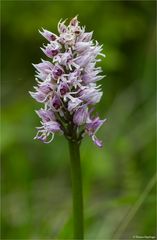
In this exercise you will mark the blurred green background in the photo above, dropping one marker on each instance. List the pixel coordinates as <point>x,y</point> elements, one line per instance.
<point>119,179</point>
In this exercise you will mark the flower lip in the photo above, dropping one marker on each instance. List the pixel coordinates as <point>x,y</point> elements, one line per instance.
<point>97,141</point>
<point>95,124</point>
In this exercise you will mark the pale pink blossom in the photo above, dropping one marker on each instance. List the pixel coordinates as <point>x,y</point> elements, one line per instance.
<point>67,84</point>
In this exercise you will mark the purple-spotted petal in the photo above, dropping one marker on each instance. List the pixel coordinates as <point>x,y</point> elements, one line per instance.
<point>56,103</point>
<point>63,88</point>
<point>57,71</point>
<point>48,35</point>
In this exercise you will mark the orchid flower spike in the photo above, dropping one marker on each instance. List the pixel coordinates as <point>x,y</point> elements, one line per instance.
<point>67,84</point>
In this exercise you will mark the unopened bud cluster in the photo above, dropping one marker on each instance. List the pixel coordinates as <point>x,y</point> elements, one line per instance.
<point>66,84</point>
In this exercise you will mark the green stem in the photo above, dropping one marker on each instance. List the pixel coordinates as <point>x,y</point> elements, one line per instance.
<point>76,189</point>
